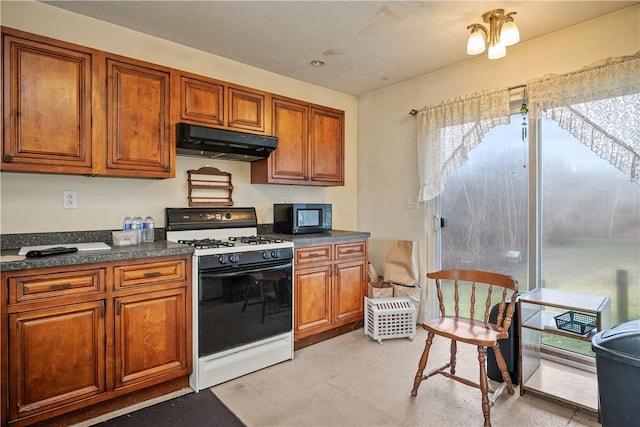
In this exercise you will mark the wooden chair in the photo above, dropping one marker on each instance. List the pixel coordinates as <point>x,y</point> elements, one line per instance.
<point>481,333</point>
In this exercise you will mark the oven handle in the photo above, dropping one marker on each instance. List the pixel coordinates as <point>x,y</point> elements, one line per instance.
<point>209,274</point>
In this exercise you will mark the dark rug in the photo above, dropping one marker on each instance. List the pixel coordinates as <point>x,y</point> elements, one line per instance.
<point>191,410</point>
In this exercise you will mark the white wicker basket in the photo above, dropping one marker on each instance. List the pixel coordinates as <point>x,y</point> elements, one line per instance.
<point>389,318</point>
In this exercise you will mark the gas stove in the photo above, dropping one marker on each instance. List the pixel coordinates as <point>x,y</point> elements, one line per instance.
<point>242,292</point>
<point>217,230</point>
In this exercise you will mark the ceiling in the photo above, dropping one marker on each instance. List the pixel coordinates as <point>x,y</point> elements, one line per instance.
<point>365,45</point>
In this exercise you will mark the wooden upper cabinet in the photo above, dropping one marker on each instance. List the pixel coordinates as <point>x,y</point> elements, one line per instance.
<point>246,109</point>
<point>47,99</point>
<point>288,163</point>
<point>209,102</point>
<point>139,141</point>
<point>59,116</point>
<point>326,146</point>
<point>310,146</point>
<point>201,101</point>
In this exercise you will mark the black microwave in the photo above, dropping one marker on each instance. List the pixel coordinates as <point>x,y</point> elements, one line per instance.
<point>299,218</point>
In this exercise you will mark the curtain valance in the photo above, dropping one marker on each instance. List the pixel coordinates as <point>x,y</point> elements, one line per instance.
<point>448,131</point>
<point>599,105</point>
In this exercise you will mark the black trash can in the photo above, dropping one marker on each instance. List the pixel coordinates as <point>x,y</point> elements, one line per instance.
<point>510,349</point>
<point>618,364</point>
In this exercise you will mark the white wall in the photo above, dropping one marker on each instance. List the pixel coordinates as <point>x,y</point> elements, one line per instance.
<point>387,166</point>
<point>33,202</point>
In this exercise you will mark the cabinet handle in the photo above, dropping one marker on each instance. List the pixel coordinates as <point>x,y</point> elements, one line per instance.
<point>313,255</point>
<point>58,286</point>
<point>230,124</point>
<point>350,251</point>
<point>102,309</point>
<point>152,274</point>
<point>221,122</point>
<point>7,158</point>
<point>167,168</point>
<point>118,307</point>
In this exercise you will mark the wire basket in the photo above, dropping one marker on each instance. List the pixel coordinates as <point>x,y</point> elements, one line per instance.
<point>578,323</point>
<point>389,318</point>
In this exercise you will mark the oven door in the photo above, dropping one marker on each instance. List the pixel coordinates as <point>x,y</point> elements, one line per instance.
<point>241,305</point>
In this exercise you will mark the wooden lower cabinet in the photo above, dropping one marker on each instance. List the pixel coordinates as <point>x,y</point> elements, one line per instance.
<point>150,337</point>
<point>330,285</point>
<point>56,357</point>
<point>72,340</point>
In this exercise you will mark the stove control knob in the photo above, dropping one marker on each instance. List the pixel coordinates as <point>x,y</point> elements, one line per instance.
<point>222,259</point>
<point>266,255</point>
<point>234,258</point>
<point>227,215</point>
<point>275,254</point>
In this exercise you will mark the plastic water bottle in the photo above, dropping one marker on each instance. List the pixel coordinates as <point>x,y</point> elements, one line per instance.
<point>147,230</point>
<point>127,224</point>
<point>137,225</point>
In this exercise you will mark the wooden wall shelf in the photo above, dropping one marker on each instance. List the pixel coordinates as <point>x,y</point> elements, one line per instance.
<point>209,187</point>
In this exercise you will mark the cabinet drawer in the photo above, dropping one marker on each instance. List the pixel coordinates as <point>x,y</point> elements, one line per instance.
<point>149,273</point>
<point>351,250</point>
<point>24,289</point>
<point>313,254</point>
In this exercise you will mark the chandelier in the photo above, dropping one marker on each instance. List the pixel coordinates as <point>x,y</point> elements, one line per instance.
<point>502,32</point>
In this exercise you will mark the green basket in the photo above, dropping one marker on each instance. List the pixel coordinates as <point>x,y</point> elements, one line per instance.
<point>578,323</point>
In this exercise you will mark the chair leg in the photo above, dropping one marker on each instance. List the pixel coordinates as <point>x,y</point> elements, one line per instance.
<point>452,360</point>
<point>484,387</point>
<point>503,368</point>
<point>423,363</point>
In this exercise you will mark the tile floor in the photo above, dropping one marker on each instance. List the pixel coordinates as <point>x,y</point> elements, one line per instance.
<point>352,380</point>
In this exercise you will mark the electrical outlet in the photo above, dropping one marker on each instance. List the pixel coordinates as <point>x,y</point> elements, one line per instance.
<point>70,199</point>
<point>412,202</point>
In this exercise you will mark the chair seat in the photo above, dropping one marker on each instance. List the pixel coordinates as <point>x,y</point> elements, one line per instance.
<point>465,330</point>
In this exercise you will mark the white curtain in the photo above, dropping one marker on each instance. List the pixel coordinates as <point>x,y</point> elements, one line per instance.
<point>599,105</point>
<point>449,130</point>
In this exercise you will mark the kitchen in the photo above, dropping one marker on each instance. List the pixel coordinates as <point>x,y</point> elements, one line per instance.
<point>379,134</point>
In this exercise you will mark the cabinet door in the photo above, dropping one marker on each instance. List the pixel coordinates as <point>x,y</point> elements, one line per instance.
<point>288,163</point>
<point>326,147</point>
<point>349,285</point>
<point>150,337</point>
<point>201,101</point>
<point>47,106</point>
<point>312,300</point>
<point>246,110</point>
<point>56,357</point>
<point>139,140</point>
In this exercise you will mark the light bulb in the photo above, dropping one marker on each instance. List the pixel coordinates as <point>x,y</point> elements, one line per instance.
<point>476,43</point>
<point>497,51</point>
<point>509,35</point>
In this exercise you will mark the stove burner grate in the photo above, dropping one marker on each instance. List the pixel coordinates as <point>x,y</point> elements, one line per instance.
<point>255,240</point>
<point>207,243</point>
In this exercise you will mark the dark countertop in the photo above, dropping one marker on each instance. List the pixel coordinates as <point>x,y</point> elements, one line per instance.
<point>327,236</point>
<point>10,260</point>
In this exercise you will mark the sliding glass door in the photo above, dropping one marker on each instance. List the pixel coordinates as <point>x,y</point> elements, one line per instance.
<point>587,219</point>
<point>484,206</point>
<point>590,227</point>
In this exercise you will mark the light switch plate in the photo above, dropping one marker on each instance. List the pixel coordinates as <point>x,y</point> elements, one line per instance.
<point>412,202</point>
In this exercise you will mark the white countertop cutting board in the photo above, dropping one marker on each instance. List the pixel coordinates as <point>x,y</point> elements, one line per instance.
<point>82,247</point>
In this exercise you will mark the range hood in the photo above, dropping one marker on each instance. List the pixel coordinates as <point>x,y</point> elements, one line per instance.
<point>222,144</point>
